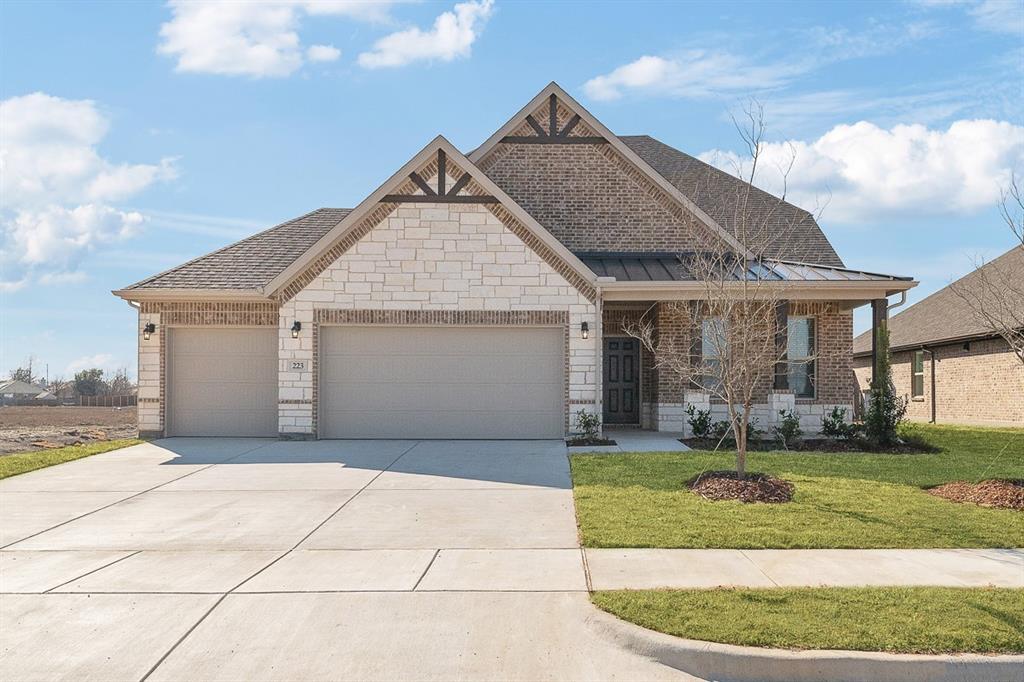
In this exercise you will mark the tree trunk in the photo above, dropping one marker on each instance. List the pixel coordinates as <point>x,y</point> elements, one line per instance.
<point>741,448</point>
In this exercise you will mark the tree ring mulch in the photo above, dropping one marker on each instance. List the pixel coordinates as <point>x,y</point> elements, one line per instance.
<point>725,485</point>
<point>995,492</point>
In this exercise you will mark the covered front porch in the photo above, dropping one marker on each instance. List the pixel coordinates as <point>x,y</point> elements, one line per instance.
<point>813,331</point>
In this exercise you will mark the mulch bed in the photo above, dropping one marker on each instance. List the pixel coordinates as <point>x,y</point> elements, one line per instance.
<point>811,445</point>
<point>996,492</point>
<point>587,442</point>
<point>724,485</point>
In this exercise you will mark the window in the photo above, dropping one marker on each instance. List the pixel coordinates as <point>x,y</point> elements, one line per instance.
<point>713,342</point>
<point>800,356</point>
<point>917,375</point>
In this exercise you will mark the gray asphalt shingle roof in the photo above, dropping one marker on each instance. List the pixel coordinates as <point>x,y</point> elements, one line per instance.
<point>944,315</point>
<point>255,261</point>
<point>796,235</point>
<point>252,262</point>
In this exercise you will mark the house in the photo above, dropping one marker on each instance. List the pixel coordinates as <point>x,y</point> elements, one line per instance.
<point>17,392</point>
<point>480,296</point>
<point>948,364</point>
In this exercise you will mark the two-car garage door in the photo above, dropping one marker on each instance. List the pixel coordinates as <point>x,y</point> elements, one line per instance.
<point>441,382</point>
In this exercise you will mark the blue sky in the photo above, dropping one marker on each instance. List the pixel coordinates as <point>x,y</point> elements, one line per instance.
<point>138,135</point>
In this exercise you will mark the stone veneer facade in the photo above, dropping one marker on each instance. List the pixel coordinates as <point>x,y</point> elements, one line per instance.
<point>434,264</point>
<point>981,384</point>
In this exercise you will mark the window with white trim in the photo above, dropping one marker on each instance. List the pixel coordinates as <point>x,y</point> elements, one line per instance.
<point>800,356</point>
<point>917,375</point>
<point>714,337</point>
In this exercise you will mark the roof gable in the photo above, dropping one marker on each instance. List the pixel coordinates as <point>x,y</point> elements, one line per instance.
<point>467,183</point>
<point>569,123</point>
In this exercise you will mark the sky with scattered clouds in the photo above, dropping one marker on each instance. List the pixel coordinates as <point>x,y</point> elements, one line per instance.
<point>134,136</point>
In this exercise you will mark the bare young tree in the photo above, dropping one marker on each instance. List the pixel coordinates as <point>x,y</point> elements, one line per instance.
<point>736,313</point>
<point>994,292</point>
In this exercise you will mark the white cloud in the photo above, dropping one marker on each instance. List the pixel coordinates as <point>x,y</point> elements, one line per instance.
<point>452,36</point>
<point>56,186</point>
<point>999,16</point>
<point>694,74</point>
<point>104,361</point>
<point>323,53</point>
<point>720,72</point>
<point>257,39</point>
<point>865,172</point>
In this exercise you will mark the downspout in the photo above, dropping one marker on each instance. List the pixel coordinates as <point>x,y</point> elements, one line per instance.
<point>931,357</point>
<point>894,306</point>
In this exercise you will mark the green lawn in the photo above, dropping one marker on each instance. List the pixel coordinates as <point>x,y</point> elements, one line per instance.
<point>842,500</point>
<point>23,462</point>
<point>924,620</point>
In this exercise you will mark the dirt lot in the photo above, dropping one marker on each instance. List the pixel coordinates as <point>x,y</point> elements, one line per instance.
<point>34,428</point>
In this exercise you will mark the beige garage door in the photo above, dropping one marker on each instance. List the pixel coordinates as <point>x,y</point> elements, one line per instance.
<point>441,382</point>
<point>222,382</point>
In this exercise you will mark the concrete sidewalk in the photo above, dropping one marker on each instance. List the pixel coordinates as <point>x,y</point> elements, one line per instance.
<point>620,569</point>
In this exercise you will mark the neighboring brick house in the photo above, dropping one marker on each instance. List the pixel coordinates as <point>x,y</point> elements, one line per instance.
<point>947,363</point>
<point>481,296</point>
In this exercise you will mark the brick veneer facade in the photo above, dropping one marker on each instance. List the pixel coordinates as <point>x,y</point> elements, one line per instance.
<point>152,406</point>
<point>982,384</point>
<point>665,396</point>
<point>589,196</point>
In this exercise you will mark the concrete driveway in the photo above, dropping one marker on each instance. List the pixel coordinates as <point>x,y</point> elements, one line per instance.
<point>260,559</point>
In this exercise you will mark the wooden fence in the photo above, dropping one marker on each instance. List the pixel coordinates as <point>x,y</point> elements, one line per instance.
<point>107,400</point>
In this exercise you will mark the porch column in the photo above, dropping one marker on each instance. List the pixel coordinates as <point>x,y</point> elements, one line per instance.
<point>781,342</point>
<point>879,320</point>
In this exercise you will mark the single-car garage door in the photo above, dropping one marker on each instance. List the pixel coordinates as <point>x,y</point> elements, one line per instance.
<point>442,382</point>
<point>222,382</point>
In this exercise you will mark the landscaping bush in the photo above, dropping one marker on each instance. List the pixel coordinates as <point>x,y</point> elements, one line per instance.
<point>788,430</point>
<point>699,421</point>
<point>887,410</point>
<point>589,425</point>
<point>834,425</point>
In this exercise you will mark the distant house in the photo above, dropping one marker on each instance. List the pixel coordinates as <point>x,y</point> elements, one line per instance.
<point>15,392</point>
<point>950,366</point>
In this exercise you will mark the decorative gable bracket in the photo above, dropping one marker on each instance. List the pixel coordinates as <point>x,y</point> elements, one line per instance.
<point>440,196</point>
<point>553,135</point>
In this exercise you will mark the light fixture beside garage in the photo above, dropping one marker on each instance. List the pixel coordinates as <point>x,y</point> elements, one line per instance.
<point>148,330</point>
<point>296,328</point>
<point>585,330</point>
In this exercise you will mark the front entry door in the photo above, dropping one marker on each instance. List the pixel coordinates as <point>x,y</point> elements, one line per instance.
<point>621,380</point>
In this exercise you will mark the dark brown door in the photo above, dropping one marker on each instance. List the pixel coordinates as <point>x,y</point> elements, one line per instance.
<point>621,381</point>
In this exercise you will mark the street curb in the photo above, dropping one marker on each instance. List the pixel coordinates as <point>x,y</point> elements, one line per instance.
<point>730,663</point>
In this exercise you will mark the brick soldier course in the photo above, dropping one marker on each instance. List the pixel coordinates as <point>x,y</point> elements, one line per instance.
<point>504,239</point>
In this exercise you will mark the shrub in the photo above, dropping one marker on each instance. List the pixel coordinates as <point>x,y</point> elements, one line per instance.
<point>589,424</point>
<point>834,425</point>
<point>721,429</point>
<point>788,430</point>
<point>699,421</point>
<point>886,411</point>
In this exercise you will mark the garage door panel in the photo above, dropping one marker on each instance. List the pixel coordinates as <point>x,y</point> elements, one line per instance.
<point>442,341</point>
<point>416,424</point>
<point>442,382</point>
<point>222,382</point>
<point>437,369</point>
<point>468,397</point>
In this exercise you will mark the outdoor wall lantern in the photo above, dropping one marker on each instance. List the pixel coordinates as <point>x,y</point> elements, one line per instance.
<point>585,330</point>
<point>296,328</point>
<point>148,330</point>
